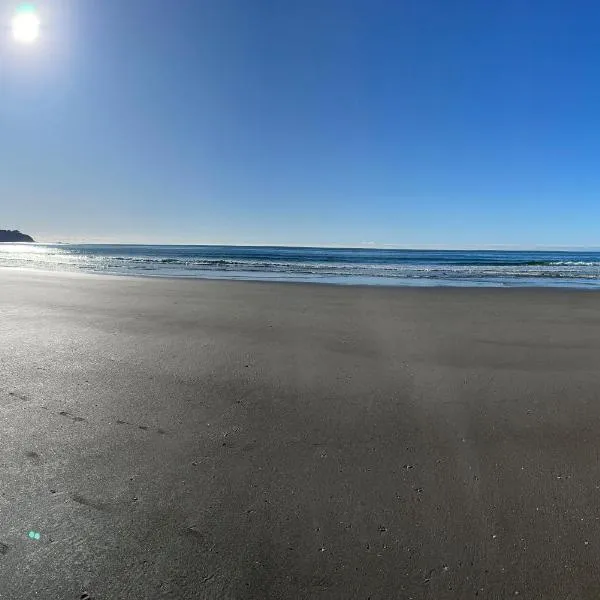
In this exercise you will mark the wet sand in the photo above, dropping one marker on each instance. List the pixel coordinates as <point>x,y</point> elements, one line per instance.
<point>229,440</point>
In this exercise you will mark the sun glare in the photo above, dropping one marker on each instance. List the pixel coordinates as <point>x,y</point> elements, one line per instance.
<point>26,25</point>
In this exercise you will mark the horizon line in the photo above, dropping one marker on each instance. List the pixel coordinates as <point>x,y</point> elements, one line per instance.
<point>363,246</point>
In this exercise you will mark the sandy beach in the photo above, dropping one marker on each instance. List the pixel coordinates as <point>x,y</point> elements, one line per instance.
<point>231,440</point>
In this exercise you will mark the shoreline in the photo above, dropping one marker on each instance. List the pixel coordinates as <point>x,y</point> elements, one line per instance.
<point>386,286</point>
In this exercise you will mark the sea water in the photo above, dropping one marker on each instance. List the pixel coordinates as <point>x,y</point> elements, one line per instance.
<point>325,265</point>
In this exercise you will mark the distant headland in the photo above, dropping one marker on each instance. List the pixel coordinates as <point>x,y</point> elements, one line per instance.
<point>14,236</point>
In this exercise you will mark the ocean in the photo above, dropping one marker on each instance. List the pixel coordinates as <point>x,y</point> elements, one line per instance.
<point>320,265</point>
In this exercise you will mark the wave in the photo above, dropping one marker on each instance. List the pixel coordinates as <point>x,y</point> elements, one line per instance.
<point>473,268</point>
<point>172,266</point>
<point>267,263</point>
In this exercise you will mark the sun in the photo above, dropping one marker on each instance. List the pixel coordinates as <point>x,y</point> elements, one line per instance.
<point>26,25</point>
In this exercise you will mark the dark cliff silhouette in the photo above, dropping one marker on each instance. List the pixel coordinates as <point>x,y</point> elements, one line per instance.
<point>14,236</point>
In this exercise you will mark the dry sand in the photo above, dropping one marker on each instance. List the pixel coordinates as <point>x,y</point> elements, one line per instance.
<point>228,440</point>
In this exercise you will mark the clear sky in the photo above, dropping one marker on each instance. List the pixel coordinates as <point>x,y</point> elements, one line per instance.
<point>421,122</point>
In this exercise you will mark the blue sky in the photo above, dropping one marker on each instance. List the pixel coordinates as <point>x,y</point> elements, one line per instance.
<point>311,122</point>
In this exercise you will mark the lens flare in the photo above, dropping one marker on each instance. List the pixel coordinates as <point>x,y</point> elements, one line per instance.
<point>26,24</point>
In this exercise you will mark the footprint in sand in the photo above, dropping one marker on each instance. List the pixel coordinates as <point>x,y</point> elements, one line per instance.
<point>90,503</point>
<point>142,427</point>
<point>64,413</point>
<point>34,456</point>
